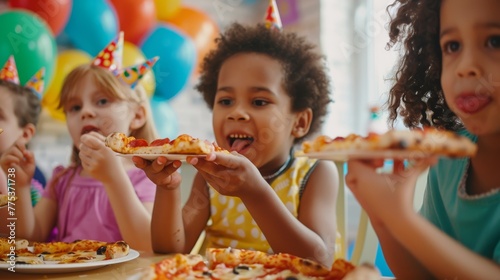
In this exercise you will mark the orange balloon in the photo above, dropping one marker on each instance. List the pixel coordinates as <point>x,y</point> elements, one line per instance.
<point>199,27</point>
<point>136,17</point>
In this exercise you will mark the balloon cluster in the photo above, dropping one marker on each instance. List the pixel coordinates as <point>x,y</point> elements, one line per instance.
<point>63,34</point>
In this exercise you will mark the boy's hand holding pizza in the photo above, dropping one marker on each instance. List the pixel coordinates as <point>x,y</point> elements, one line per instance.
<point>230,174</point>
<point>161,171</point>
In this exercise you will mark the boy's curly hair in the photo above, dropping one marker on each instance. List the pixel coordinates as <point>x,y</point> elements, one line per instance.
<point>417,95</point>
<point>305,77</point>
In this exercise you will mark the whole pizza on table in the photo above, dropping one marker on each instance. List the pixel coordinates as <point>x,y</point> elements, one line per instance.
<point>183,144</point>
<point>79,251</point>
<point>229,263</point>
<point>392,144</point>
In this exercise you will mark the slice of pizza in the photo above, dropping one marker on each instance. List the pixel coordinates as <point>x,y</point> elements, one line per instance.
<point>17,250</point>
<point>8,245</point>
<point>180,266</point>
<point>73,257</point>
<point>116,250</point>
<point>183,144</point>
<point>429,141</point>
<point>79,251</point>
<point>256,260</point>
<point>124,144</point>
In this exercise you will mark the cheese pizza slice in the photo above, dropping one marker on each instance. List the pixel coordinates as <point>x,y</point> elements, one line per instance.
<point>183,144</point>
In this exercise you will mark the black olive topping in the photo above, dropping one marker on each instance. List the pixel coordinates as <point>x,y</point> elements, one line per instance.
<point>101,250</point>
<point>242,267</point>
<point>291,278</point>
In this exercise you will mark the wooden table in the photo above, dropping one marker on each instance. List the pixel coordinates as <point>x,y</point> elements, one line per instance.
<point>120,271</point>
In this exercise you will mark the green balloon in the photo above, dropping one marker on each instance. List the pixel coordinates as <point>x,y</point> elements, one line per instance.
<point>27,37</point>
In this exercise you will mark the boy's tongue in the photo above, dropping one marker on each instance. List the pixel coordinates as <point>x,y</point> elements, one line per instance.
<point>240,144</point>
<point>472,103</point>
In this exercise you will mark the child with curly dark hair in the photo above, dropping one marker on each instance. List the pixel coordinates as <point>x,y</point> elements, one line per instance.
<point>446,79</point>
<point>268,90</point>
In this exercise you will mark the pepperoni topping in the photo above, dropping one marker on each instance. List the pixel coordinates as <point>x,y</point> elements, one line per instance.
<point>138,143</point>
<point>160,142</point>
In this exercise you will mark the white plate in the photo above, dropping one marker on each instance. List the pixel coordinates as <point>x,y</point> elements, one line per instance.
<point>69,267</point>
<point>155,156</point>
<point>345,155</point>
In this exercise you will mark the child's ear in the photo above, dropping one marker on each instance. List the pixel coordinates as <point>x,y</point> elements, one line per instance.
<point>139,118</point>
<point>302,123</point>
<point>28,131</point>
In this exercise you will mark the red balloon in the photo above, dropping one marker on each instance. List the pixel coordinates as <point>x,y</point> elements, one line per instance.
<point>136,17</point>
<point>54,12</point>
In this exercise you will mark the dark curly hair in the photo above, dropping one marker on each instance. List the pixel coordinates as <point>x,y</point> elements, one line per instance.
<point>305,77</point>
<point>27,106</point>
<point>418,82</point>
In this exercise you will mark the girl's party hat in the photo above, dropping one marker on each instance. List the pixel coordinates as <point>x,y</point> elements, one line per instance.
<point>111,58</point>
<point>272,19</point>
<point>9,73</point>
<point>133,74</point>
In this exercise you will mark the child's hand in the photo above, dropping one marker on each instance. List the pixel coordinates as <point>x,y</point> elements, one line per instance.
<point>22,162</point>
<point>160,171</point>
<point>385,197</point>
<point>230,174</point>
<point>98,160</point>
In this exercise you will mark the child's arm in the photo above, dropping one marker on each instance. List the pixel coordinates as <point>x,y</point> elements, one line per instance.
<point>133,216</point>
<point>3,183</point>
<point>399,259</point>
<point>18,163</point>
<point>313,235</point>
<point>175,229</point>
<point>388,200</point>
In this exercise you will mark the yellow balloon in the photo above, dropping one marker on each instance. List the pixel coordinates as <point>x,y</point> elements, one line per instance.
<point>67,60</point>
<point>132,55</point>
<point>165,9</point>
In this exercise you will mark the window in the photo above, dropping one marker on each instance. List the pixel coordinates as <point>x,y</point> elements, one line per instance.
<point>354,37</point>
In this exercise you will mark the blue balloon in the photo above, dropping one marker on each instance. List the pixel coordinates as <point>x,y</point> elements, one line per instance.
<point>165,119</point>
<point>177,60</point>
<point>92,25</point>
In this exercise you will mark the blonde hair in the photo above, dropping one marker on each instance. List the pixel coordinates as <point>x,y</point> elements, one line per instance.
<point>111,86</point>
